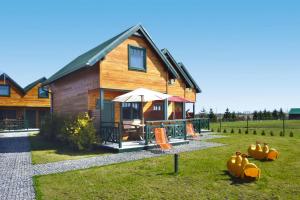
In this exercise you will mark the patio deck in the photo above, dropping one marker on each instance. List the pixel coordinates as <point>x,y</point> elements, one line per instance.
<point>128,146</point>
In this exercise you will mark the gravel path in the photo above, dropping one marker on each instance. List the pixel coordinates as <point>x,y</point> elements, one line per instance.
<point>15,167</point>
<point>63,166</point>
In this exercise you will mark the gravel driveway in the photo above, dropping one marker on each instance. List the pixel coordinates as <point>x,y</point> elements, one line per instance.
<point>68,165</point>
<point>15,167</point>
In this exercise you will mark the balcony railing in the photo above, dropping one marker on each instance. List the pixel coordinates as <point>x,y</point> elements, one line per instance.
<point>13,124</point>
<point>175,128</point>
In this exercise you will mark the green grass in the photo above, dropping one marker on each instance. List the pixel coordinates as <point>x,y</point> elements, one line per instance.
<point>203,175</point>
<point>259,126</point>
<point>44,151</point>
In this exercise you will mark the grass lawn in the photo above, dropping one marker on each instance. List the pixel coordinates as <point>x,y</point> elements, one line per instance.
<point>46,151</point>
<point>203,175</point>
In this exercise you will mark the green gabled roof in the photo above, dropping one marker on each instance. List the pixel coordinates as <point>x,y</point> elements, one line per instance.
<point>31,85</point>
<point>27,88</point>
<point>294,111</point>
<point>94,55</point>
<point>198,90</point>
<point>175,65</point>
<point>5,76</point>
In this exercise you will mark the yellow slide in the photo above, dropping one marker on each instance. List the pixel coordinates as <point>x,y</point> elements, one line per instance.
<point>259,153</point>
<point>239,166</point>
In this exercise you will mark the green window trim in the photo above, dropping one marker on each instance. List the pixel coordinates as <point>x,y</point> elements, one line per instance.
<point>135,68</point>
<point>8,94</point>
<point>39,93</point>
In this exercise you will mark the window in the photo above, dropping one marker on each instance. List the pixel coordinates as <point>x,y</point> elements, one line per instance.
<point>157,107</point>
<point>131,111</point>
<point>43,93</point>
<point>8,114</point>
<point>4,90</point>
<point>136,58</point>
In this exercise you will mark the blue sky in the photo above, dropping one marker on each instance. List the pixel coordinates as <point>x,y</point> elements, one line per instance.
<point>245,55</point>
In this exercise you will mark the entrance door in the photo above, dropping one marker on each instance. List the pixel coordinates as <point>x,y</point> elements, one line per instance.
<point>108,112</point>
<point>31,118</point>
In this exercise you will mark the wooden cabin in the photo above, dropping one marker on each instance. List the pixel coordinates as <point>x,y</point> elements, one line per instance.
<point>128,61</point>
<point>17,104</point>
<point>294,113</point>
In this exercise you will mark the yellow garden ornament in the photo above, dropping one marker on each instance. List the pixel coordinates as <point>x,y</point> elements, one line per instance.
<point>262,153</point>
<point>239,166</point>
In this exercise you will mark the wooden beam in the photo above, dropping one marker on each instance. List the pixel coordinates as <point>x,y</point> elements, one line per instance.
<point>183,111</point>
<point>166,103</point>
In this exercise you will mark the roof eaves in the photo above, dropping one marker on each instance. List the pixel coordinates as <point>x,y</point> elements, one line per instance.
<point>13,82</point>
<point>112,43</point>
<point>122,38</point>
<point>172,70</point>
<point>31,85</point>
<point>111,46</point>
<point>190,76</point>
<point>185,76</point>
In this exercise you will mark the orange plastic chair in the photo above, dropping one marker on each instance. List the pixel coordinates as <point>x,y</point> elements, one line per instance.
<point>161,138</point>
<point>190,131</point>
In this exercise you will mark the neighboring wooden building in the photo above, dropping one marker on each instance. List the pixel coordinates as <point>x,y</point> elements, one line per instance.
<point>123,63</point>
<point>16,103</point>
<point>294,113</point>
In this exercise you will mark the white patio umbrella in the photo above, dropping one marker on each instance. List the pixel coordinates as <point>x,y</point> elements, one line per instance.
<point>141,95</point>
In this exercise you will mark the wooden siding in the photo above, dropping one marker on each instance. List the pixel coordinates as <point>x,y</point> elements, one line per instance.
<point>114,72</point>
<point>190,94</point>
<point>18,99</point>
<point>110,95</point>
<point>71,94</point>
<point>177,89</point>
<point>79,91</point>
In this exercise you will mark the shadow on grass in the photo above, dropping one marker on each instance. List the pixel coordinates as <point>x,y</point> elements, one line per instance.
<point>237,181</point>
<point>38,143</point>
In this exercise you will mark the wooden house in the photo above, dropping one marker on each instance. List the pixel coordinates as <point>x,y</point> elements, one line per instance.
<point>128,61</point>
<point>17,104</point>
<point>294,113</point>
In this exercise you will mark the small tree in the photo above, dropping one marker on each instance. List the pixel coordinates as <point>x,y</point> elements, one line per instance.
<point>280,114</point>
<point>227,115</point>
<point>275,114</point>
<point>255,115</point>
<point>233,116</point>
<point>212,116</point>
<point>260,115</point>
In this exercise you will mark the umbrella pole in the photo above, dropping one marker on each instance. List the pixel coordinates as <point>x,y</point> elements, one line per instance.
<point>143,120</point>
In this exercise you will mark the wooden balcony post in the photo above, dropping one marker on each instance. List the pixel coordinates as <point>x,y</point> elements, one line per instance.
<point>101,105</point>
<point>183,111</point>
<point>166,105</point>
<point>194,110</point>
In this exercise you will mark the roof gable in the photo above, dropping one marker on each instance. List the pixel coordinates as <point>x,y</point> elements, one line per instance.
<point>190,77</point>
<point>175,65</point>
<point>94,55</point>
<point>33,84</point>
<point>6,77</point>
<point>27,88</point>
<point>182,70</point>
